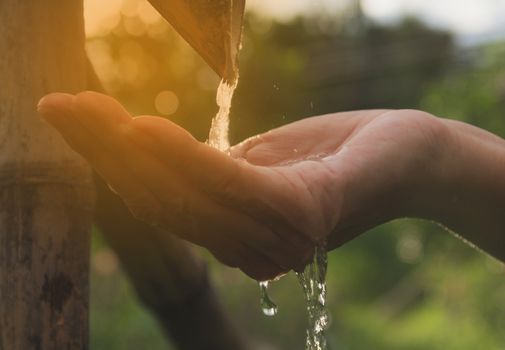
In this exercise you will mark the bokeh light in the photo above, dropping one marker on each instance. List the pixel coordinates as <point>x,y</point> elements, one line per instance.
<point>105,262</point>
<point>409,247</point>
<point>101,16</point>
<point>166,102</point>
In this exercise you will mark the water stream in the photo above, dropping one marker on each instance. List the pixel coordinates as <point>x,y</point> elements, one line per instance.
<point>218,135</point>
<point>313,282</point>
<point>313,278</point>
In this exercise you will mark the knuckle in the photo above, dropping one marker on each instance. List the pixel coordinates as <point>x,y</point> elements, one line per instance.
<point>82,98</point>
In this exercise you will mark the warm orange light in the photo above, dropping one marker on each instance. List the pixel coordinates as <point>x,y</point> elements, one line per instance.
<point>101,16</point>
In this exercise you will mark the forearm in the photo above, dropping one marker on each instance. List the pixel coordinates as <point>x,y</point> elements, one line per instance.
<point>466,192</point>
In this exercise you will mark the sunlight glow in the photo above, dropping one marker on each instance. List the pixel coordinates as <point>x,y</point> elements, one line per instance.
<point>464,17</point>
<point>101,16</point>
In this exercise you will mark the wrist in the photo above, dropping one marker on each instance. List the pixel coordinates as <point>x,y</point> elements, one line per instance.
<point>463,188</point>
<point>427,188</point>
<point>399,175</point>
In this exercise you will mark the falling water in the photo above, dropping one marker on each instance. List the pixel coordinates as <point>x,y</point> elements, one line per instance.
<point>267,305</point>
<point>218,138</point>
<point>218,135</point>
<point>313,282</point>
<point>313,278</point>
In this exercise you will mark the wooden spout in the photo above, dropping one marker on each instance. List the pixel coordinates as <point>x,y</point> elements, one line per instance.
<point>212,27</point>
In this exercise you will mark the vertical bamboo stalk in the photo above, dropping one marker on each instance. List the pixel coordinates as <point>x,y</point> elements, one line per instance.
<point>46,192</point>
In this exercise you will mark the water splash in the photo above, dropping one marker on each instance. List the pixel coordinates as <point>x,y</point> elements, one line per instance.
<point>218,135</point>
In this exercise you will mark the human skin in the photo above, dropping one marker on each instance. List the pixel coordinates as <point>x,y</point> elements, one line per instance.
<point>264,206</point>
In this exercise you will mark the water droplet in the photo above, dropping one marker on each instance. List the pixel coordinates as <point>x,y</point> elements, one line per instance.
<point>267,305</point>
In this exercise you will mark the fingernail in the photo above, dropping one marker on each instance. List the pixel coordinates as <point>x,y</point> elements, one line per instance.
<point>54,105</point>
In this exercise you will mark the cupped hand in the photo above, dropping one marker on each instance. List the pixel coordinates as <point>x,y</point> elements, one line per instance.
<point>364,168</point>
<point>265,205</point>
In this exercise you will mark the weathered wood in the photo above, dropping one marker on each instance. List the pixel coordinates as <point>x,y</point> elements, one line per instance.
<point>212,28</point>
<point>46,191</point>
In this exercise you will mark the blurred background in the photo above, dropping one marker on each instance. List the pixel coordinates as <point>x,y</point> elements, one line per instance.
<point>406,285</point>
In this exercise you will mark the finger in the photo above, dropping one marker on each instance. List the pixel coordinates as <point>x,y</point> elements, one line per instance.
<point>217,225</point>
<point>235,223</point>
<point>217,173</point>
<point>229,224</point>
<point>231,182</point>
<point>257,266</point>
<point>57,110</point>
<point>187,210</point>
<point>108,122</point>
<point>240,150</point>
<point>108,161</point>
<point>101,114</point>
<point>87,143</point>
<point>244,190</point>
<point>275,240</point>
<point>253,264</point>
<point>184,205</point>
<point>179,150</point>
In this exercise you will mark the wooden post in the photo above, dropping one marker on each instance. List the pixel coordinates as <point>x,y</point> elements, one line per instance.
<point>46,191</point>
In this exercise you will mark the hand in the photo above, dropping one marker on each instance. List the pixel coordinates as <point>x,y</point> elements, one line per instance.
<point>264,208</point>
<point>364,168</point>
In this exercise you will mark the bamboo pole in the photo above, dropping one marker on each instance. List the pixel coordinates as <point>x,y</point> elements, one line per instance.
<point>46,191</point>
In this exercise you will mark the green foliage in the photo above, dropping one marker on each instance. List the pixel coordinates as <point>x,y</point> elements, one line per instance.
<point>294,70</point>
<point>117,319</point>
<point>474,91</point>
